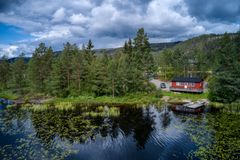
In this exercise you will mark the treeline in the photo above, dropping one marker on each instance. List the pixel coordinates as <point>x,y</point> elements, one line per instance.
<point>225,83</point>
<point>76,71</point>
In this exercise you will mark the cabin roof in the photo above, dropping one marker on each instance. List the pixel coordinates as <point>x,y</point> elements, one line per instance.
<point>187,79</point>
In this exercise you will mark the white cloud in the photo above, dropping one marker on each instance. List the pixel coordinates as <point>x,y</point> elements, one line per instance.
<point>78,19</point>
<point>55,33</point>
<point>106,22</point>
<point>8,50</point>
<point>59,15</point>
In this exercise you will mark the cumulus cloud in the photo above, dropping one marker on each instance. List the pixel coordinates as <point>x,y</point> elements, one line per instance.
<point>78,19</point>
<point>59,15</point>
<point>109,22</point>
<point>8,50</point>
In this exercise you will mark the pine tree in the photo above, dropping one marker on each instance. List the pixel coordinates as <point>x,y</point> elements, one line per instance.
<point>99,80</point>
<point>40,67</point>
<point>89,53</point>
<point>19,73</point>
<point>57,85</point>
<point>79,72</point>
<point>66,59</point>
<point>142,53</point>
<point>112,73</point>
<point>5,72</point>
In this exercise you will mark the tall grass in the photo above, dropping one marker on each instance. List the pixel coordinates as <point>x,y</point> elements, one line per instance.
<point>84,101</point>
<point>228,108</point>
<point>8,95</point>
<point>130,99</point>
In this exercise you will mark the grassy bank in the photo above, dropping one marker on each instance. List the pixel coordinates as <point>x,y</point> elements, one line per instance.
<point>83,101</point>
<point>8,95</point>
<point>177,96</point>
<point>130,99</point>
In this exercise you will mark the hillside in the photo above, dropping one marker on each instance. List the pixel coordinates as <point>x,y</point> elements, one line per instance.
<point>204,42</point>
<point>156,47</point>
<point>194,57</point>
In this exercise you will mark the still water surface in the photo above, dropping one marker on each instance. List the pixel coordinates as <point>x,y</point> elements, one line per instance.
<point>103,133</point>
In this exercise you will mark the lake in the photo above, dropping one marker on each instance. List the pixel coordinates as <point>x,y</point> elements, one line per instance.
<point>106,133</point>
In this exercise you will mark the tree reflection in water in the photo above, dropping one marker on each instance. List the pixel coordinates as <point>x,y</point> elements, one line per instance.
<point>109,132</point>
<point>75,126</point>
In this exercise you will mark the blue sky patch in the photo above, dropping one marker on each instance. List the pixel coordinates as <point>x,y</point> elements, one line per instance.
<point>11,34</point>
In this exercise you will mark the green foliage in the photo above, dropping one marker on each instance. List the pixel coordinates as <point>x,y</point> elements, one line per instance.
<point>40,67</point>
<point>4,73</point>
<point>214,57</point>
<point>8,95</point>
<point>158,93</point>
<point>225,84</point>
<point>76,72</point>
<point>83,101</point>
<point>183,96</point>
<point>194,57</point>
<point>222,140</point>
<point>19,73</point>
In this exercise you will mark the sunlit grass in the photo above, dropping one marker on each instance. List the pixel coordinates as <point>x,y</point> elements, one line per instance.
<point>8,95</point>
<point>178,96</point>
<point>104,112</point>
<point>130,99</point>
<point>70,103</point>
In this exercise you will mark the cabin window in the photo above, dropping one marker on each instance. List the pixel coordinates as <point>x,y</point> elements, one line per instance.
<point>192,84</point>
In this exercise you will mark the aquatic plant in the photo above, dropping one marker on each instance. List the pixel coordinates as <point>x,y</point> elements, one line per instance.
<point>103,112</point>
<point>233,108</point>
<point>218,138</point>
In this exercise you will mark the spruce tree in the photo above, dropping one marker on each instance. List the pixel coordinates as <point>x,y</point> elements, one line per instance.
<point>57,85</point>
<point>66,59</point>
<point>40,67</point>
<point>89,53</point>
<point>5,72</point>
<point>19,67</point>
<point>143,57</point>
<point>79,72</point>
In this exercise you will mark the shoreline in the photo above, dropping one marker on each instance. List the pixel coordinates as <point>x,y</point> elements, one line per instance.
<point>134,99</point>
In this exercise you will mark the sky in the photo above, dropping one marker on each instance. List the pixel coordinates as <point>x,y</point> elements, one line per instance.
<point>26,23</point>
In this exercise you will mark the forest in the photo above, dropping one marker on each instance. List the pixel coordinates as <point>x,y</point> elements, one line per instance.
<point>80,71</point>
<point>76,71</point>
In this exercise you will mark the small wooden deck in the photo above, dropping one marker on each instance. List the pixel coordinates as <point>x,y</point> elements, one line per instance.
<point>191,107</point>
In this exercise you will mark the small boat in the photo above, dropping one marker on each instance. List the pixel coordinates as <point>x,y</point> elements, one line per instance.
<point>191,107</point>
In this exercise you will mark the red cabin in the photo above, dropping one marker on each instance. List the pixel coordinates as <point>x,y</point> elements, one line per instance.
<point>187,84</point>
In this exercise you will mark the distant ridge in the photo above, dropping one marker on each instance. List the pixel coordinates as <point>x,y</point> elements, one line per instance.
<point>156,47</point>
